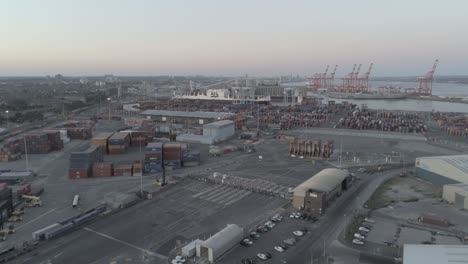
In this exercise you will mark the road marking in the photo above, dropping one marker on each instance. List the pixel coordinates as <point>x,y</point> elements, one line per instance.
<point>35,219</point>
<point>146,251</point>
<point>58,255</point>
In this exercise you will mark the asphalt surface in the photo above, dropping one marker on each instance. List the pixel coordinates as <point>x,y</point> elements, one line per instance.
<point>149,231</point>
<point>321,234</point>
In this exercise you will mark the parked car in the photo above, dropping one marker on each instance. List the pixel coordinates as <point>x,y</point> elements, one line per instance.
<point>270,224</point>
<point>254,235</point>
<point>292,215</point>
<point>279,249</point>
<point>298,233</point>
<point>248,261</point>
<point>367,219</point>
<point>264,256</point>
<point>246,242</point>
<point>180,258</point>
<point>357,235</point>
<point>363,229</point>
<point>290,241</point>
<point>277,218</point>
<point>358,242</point>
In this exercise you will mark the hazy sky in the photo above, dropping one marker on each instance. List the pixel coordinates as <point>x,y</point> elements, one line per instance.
<point>231,37</point>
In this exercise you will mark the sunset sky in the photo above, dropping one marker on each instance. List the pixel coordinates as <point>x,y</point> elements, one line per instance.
<point>217,37</point>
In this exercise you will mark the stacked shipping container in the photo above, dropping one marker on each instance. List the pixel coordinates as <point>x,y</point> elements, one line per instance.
<point>311,148</point>
<point>103,169</point>
<point>137,168</point>
<point>191,158</point>
<point>55,140</point>
<point>101,140</point>
<point>153,158</point>
<point>172,153</point>
<point>7,155</point>
<point>123,170</point>
<point>81,162</point>
<point>118,143</point>
<point>37,143</point>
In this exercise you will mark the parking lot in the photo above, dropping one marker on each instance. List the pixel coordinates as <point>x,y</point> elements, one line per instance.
<point>282,231</point>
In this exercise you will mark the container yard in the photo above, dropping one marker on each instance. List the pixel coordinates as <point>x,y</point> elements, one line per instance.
<point>402,122</point>
<point>453,124</point>
<point>311,148</point>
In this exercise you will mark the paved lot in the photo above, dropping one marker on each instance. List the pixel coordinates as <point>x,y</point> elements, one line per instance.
<point>153,228</point>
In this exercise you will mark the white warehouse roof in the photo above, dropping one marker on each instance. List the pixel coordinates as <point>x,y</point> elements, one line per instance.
<point>434,254</point>
<point>324,181</point>
<point>194,114</point>
<point>219,124</point>
<point>224,238</point>
<point>454,167</point>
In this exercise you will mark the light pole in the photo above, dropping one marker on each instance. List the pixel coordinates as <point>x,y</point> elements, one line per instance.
<point>26,154</point>
<point>7,117</point>
<point>109,102</point>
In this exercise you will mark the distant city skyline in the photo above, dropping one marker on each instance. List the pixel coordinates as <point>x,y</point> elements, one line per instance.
<point>231,38</point>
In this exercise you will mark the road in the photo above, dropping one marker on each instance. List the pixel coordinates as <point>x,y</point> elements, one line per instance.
<point>338,217</point>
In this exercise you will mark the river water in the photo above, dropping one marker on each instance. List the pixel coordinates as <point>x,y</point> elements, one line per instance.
<point>440,89</point>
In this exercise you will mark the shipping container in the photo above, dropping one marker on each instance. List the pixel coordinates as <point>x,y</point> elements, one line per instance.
<point>103,169</point>
<point>433,220</point>
<point>119,139</point>
<point>101,139</point>
<point>154,146</point>
<point>123,170</point>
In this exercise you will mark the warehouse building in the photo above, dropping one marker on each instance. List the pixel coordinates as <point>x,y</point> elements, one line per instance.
<point>315,194</point>
<point>220,243</point>
<point>212,133</point>
<point>442,170</point>
<point>220,130</point>
<point>456,194</point>
<point>434,254</point>
<point>188,119</point>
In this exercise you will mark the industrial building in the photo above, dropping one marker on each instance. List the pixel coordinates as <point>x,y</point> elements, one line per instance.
<point>434,254</point>
<point>189,119</point>
<point>442,170</point>
<point>212,133</point>
<point>315,194</point>
<point>220,130</point>
<point>220,243</point>
<point>456,194</point>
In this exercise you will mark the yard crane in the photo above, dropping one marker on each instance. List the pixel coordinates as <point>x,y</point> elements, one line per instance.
<point>32,201</point>
<point>425,82</point>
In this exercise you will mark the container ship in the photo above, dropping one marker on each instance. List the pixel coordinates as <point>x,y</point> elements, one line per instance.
<point>367,96</point>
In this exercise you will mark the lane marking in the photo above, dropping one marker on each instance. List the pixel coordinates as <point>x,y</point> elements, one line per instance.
<point>35,219</point>
<point>146,251</point>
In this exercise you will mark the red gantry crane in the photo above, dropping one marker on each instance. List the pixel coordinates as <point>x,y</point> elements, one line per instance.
<point>316,81</point>
<point>348,79</point>
<point>425,82</point>
<point>323,78</point>
<point>363,81</point>
<point>330,79</point>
